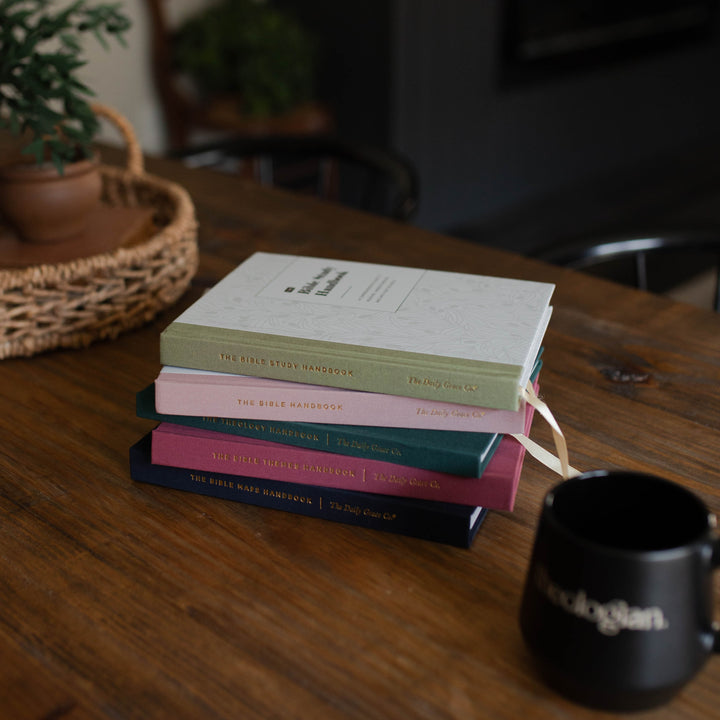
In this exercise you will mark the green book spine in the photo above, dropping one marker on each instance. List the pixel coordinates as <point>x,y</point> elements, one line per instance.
<point>459,453</point>
<point>393,372</point>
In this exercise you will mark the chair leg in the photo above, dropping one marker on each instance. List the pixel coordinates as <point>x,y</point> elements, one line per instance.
<point>641,271</point>
<point>327,179</point>
<point>264,172</point>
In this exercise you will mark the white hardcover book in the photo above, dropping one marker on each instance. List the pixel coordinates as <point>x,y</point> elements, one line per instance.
<point>453,337</point>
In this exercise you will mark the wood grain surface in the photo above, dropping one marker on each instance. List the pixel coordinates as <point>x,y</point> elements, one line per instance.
<point>122,600</point>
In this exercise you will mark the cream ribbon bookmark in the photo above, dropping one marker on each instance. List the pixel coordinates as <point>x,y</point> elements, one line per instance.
<point>559,464</point>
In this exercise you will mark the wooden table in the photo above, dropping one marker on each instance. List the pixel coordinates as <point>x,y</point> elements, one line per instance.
<point>123,600</point>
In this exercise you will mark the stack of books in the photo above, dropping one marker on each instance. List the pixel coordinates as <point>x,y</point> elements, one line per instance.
<point>381,396</point>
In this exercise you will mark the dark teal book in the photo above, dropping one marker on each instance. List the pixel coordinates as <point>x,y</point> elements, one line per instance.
<point>458,453</point>
<point>440,522</point>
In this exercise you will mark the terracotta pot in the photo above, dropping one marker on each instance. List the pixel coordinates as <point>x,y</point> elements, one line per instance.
<point>44,206</point>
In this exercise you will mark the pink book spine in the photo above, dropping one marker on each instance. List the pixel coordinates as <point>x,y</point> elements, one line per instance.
<point>181,446</point>
<point>249,398</point>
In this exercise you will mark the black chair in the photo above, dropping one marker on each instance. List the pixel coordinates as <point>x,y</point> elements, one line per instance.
<point>660,260</point>
<point>364,176</point>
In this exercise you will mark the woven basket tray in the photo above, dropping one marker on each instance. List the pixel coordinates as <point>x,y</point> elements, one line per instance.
<point>72,304</point>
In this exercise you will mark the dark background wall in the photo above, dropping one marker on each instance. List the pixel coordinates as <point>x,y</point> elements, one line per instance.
<point>432,79</point>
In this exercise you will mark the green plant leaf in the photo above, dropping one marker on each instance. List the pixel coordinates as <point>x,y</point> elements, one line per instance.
<point>40,54</point>
<point>36,148</point>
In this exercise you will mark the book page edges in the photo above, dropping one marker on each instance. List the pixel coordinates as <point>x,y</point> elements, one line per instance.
<point>535,347</point>
<point>396,372</point>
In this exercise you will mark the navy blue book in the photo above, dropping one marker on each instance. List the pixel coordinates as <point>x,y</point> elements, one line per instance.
<point>439,522</point>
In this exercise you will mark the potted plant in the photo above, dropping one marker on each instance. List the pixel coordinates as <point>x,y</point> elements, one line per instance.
<point>250,50</point>
<point>46,106</point>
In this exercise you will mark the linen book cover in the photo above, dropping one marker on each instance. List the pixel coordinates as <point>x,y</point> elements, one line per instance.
<point>186,391</point>
<point>451,337</point>
<point>446,523</point>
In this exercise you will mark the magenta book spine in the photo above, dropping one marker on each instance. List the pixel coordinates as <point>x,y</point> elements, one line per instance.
<point>186,447</point>
<point>249,398</point>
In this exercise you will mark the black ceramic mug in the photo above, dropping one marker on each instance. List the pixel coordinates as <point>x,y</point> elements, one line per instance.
<point>618,601</point>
